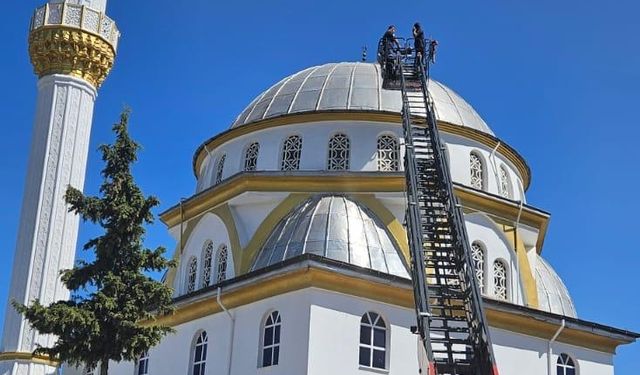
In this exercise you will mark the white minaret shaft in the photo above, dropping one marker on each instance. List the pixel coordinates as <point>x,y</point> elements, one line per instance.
<point>72,47</point>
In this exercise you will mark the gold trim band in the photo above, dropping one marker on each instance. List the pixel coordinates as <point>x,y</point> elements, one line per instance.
<point>28,357</point>
<point>313,277</point>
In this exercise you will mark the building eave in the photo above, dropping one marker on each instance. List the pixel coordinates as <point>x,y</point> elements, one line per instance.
<point>311,271</point>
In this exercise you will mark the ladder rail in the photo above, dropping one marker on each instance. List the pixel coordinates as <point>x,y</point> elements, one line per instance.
<point>458,222</point>
<point>461,334</point>
<point>414,233</point>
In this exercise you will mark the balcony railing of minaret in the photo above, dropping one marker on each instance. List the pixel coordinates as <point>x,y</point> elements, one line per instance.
<point>78,17</point>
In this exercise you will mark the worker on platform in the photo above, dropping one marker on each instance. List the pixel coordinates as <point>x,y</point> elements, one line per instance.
<point>390,47</point>
<point>419,43</point>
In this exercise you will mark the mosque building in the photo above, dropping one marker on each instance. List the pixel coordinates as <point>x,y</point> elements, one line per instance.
<point>292,252</point>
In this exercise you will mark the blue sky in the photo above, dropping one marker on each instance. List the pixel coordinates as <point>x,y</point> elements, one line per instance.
<point>557,80</point>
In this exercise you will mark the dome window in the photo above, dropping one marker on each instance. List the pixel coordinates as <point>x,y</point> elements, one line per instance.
<point>251,157</point>
<point>565,365</point>
<point>500,289</point>
<point>220,168</point>
<point>291,151</point>
<point>207,255</point>
<point>339,153</point>
<point>478,257</point>
<point>477,171</point>
<point>388,153</point>
<point>192,272</point>
<point>505,183</point>
<point>222,263</point>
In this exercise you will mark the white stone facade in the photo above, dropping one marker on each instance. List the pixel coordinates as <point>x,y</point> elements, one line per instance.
<point>320,335</point>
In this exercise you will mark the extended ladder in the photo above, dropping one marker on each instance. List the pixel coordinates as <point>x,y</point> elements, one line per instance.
<point>451,322</point>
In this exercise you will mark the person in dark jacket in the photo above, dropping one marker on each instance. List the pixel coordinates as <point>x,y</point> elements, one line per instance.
<point>419,43</point>
<point>389,43</point>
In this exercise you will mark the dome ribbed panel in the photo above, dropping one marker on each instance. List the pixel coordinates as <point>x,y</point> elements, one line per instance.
<point>553,295</point>
<point>350,87</point>
<point>334,227</point>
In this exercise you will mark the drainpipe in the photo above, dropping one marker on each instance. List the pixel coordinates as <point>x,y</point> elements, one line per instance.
<point>231,331</point>
<point>549,351</point>
<point>515,234</point>
<point>492,159</point>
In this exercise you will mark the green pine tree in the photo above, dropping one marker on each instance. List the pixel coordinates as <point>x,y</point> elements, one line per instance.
<point>111,296</point>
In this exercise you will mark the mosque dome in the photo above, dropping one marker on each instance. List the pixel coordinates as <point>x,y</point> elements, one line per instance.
<point>553,295</point>
<point>334,227</point>
<point>351,86</point>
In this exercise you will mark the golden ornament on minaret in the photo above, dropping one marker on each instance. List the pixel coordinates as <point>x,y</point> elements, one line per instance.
<point>73,39</point>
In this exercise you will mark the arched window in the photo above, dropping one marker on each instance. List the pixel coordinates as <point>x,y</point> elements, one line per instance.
<point>270,351</point>
<point>565,365</point>
<point>373,341</point>
<point>199,354</point>
<point>251,157</point>
<point>339,153</point>
<point>222,262</point>
<point>192,273</point>
<point>142,367</point>
<point>477,171</point>
<point>220,168</point>
<point>478,256</point>
<point>207,258</point>
<point>505,183</point>
<point>388,153</point>
<point>500,289</point>
<point>291,151</point>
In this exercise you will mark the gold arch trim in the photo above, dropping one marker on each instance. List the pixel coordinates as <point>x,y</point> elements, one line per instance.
<point>224,213</point>
<point>488,140</point>
<point>28,357</point>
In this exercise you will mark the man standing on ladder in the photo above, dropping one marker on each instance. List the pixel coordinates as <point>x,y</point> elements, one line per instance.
<point>387,60</point>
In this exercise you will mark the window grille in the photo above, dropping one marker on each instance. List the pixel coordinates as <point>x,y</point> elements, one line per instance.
<point>192,272</point>
<point>222,262</point>
<point>500,290</point>
<point>251,157</point>
<point>477,171</point>
<point>478,255</point>
<point>388,153</point>
<point>339,153</point>
<point>220,168</point>
<point>291,151</point>
<point>505,183</point>
<point>207,257</point>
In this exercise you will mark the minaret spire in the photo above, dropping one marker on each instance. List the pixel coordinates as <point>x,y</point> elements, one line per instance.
<point>72,45</point>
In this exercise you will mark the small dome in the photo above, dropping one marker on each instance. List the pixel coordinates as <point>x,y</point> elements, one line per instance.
<point>333,227</point>
<point>553,295</point>
<point>350,87</point>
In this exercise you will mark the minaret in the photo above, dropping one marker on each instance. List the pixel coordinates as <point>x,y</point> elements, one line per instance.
<point>72,45</point>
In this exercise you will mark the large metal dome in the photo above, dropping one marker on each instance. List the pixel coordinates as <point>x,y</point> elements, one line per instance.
<point>553,295</point>
<point>333,227</point>
<point>350,87</point>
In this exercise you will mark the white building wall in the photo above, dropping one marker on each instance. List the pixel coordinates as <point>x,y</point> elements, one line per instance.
<point>320,335</point>
<point>363,138</point>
